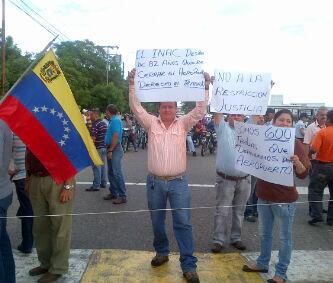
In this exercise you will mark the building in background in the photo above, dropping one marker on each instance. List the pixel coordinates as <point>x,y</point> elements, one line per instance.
<point>276,102</point>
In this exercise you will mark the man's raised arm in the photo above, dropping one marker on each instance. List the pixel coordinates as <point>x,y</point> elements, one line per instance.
<point>200,109</point>
<point>140,113</point>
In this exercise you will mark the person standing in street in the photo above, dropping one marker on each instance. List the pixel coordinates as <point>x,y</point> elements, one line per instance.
<point>7,264</point>
<point>276,203</point>
<point>115,154</point>
<point>17,174</point>
<point>233,187</point>
<point>322,172</point>
<point>52,234</point>
<point>300,126</point>
<point>98,132</point>
<point>167,175</point>
<point>310,133</point>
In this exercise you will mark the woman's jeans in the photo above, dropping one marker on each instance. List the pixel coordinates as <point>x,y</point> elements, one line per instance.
<point>268,212</point>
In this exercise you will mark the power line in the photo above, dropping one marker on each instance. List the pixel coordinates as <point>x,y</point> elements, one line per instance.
<point>50,24</point>
<point>51,32</point>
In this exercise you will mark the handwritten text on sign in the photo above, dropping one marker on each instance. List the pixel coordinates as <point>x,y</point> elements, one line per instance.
<point>240,93</point>
<point>265,151</point>
<point>169,75</point>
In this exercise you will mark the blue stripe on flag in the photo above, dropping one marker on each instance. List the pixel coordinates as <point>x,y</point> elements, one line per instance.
<point>36,97</point>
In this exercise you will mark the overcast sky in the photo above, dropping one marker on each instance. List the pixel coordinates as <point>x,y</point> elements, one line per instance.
<point>292,39</point>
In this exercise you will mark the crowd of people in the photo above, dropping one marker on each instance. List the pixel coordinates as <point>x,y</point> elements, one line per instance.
<point>168,138</point>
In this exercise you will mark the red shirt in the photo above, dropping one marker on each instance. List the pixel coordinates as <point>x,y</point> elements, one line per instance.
<point>279,193</point>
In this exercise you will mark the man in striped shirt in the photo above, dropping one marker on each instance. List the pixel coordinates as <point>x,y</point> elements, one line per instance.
<point>166,178</point>
<point>98,132</point>
<point>17,174</point>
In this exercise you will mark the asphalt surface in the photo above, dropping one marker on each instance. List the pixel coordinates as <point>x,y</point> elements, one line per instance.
<point>133,231</point>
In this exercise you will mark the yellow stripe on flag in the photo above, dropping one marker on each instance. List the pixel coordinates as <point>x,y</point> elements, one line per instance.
<point>63,94</point>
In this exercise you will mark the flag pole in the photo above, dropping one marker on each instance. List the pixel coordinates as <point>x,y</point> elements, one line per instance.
<point>33,64</point>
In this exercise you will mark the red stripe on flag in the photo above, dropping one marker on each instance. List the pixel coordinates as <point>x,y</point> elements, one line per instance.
<point>37,139</point>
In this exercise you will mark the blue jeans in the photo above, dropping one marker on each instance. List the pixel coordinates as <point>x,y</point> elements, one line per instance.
<point>7,264</point>
<point>100,171</point>
<point>284,213</point>
<point>158,191</point>
<point>190,144</point>
<point>25,209</point>
<point>115,173</point>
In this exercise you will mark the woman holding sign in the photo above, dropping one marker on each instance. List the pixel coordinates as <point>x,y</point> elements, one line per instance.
<point>276,203</point>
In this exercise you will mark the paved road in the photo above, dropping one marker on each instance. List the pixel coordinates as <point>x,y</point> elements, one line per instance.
<point>132,231</point>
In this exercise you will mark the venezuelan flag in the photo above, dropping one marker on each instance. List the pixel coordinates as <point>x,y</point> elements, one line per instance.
<point>41,110</point>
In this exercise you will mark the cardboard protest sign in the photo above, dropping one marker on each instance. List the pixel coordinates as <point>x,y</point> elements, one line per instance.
<point>240,92</point>
<point>169,75</point>
<point>265,151</point>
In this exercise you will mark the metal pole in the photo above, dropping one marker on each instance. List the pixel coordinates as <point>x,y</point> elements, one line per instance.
<point>3,35</point>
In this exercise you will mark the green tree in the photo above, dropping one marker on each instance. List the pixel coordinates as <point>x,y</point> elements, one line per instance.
<point>16,63</point>
<point>187,106</point>
<point>84,65</point>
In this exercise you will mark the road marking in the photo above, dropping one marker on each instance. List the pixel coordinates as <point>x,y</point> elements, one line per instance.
<point>301,190</point>
<point>134,267</point>
<point>112,265</point>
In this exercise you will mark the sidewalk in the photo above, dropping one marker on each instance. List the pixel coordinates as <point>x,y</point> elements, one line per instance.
<point>104,266</point>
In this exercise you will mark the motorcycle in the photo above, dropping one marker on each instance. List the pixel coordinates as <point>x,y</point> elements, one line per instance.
<point>124,141</point>
<point>142,138</point>
<point>209,143</point>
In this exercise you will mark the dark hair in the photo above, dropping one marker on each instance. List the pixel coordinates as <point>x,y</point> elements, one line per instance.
<point>112,109</point>
<point>303,115</point>
<point>270,110</point>
<point>330,116</point>
<point>283,111</point>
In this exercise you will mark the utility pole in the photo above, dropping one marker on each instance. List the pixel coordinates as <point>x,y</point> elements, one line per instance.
<point>3,38</point>
<point>108,56</point>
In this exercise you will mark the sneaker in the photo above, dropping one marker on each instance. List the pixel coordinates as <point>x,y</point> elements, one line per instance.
<point>92,189</point>
<point>119,201</point>
<point>109,197</point>
<point>239,245</point>
<point>37,271</point>
<point>159,260</point>
<point>49,277</point>
<point>191,277</point>
<point>103,186</point>
<point>217,248</point>
<point>194,153</point>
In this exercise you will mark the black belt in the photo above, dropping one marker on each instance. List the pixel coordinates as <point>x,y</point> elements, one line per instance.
<point>230,178</point>
<point>40,174</point>
<point>322,162</point>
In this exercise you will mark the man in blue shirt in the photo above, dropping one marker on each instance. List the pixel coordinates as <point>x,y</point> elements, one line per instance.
<point>233,187</point>
<point>114,156</point>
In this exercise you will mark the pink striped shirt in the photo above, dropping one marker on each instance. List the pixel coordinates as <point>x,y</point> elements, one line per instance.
<point>167,147</point>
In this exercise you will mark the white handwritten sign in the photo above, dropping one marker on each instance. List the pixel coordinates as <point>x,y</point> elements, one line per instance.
<point>240,93</point>
<point>265,151</point>
<point>169,75</point>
